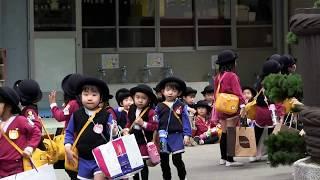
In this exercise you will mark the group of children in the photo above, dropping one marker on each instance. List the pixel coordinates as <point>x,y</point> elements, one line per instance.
<point>171,113</point>
<point>140,112</point>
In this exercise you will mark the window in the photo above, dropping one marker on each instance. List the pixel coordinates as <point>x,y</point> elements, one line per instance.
<point>176,23</point>
<point>254,23</point>
<point>136,23</point>
<point>54,15</point>
<point>214,22</point>
<point>99,24</point>
<point>198,24</point>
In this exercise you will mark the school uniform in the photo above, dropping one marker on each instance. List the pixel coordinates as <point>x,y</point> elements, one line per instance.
<point>122,117</point>
<point>150,125</point>
<point>31,113</point>
<point>89,139</point>
<point>63,115</point>
<point>176,129</point>
<point>230,83</point>
<point>23,135</point>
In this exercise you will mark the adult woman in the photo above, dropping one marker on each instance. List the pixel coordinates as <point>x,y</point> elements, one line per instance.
<point>229,83</point>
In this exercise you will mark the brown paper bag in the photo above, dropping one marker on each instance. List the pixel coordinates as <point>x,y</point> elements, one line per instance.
<point>241,142</point>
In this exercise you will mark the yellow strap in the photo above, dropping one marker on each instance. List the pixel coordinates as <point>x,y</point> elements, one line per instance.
<point>174,113</point>
<point>140,116</point>
<point>84,127</point>
<point>12,143</point>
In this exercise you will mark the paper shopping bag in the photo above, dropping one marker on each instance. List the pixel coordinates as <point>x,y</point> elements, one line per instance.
<point>119,158</point>
<point>43,172</point>
<point>241,142</point>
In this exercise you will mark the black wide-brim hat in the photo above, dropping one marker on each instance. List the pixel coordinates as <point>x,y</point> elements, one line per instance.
<point>189,90</point>
<point>28,90</point>
<point>253,91</point>
<point>226,57</point>
<point>271,67</point>
<point>146,90</point>
<point>70,83</point>
<point>203,103</point>
<point>11,97</point>
<point>121,94</point>
<point>180,82</point>
<point>102,86</point>
<point>207,89</point>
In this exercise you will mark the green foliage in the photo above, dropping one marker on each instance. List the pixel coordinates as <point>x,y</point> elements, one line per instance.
<point>278,87</point>
<point>285,148</point>
<point>292,38</point>
<point>316,4</point>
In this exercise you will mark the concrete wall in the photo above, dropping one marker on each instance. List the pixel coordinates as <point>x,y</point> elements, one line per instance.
<point>191,66</point>
<point>14,37</point>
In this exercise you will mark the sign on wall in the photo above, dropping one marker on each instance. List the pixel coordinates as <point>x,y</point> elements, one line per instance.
<point>155,60</point>
<point>110,61</point>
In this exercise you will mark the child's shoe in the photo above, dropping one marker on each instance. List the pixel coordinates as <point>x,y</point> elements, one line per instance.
<point>233,164</point>
<point>196,139</point>
<point>222,162</point>
<point>201,142</point>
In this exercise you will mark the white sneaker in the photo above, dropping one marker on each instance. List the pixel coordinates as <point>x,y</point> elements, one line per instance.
<point>222,162</point>
<point>233,164</point>
<point>252,159</point>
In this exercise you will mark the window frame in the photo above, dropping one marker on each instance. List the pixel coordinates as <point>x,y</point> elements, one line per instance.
<point>158,48</point>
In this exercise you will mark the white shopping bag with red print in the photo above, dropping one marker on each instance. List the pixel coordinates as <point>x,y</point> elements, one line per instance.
<point>119,158</point>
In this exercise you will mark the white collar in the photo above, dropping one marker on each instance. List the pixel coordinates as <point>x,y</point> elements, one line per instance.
<point>89,112</point>
<point>7,123</point>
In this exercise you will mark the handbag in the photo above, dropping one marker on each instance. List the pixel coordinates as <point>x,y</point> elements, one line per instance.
<point>38,157</point>
<point>284,128</point>
<point>226,103</point>
<point>152,148</point>
<point>59,140</point>
<point>74,166</point>
<point>250,107</point>
<point>26,161</point>
<point>241,142</point>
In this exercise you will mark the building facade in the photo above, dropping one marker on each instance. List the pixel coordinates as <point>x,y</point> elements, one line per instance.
<point>126,42</point>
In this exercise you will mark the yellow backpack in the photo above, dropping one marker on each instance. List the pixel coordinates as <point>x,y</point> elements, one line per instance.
<point>59,140</point>
<point>250,107</point>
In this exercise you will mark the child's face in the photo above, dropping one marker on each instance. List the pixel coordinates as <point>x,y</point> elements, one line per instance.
<point>202,111</point>
<point>170,93</point>
<point>209,97</point>
<point>141,100</point>
<point>189,99</point>
<point>127,102</point>
<point>90,98</point>
<point>247,94</point>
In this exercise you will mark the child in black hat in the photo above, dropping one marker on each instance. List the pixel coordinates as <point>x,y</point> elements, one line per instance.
<point>71,99</point>
<point>124,101</point>
<point>174,126</point>
<point>248,93</point>
<point>207,132</point>
<point>142,122</point>
<point>208,94</point>
<point>17,130</point>
<point>188,98</point>
<point>30,93</point>
<point>289,64</point>
<point>93,92</point>
<point>71,104</point>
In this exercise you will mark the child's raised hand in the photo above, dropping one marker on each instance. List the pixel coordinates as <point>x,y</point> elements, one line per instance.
<point>139,121</point>
<point>52,97</point>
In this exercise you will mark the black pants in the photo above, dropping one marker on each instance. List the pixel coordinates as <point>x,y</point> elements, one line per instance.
<point>144,173</point>
<point>177,161</point>
<point>223,148</point>
<point>258,133</point>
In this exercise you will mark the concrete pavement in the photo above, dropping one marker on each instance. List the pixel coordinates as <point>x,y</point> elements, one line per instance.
<point>202,164</point>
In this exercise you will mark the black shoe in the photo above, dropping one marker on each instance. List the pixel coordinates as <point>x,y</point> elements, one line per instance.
<point>196,139</point>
